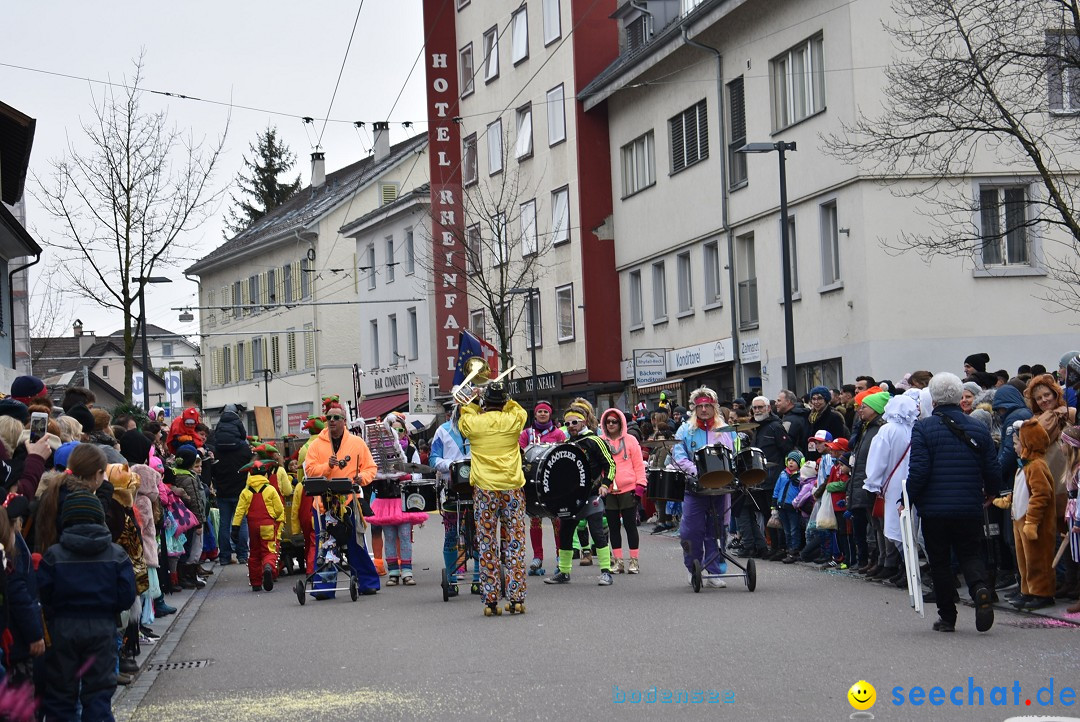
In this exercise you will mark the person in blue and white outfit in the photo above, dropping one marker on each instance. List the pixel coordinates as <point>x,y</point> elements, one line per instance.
<point>447,447</point>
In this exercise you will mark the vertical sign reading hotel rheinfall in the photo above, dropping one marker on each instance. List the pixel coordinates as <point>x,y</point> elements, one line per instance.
<point>447,223</point>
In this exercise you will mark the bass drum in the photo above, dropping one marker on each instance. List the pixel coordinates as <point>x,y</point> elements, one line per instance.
<point>557,480</point>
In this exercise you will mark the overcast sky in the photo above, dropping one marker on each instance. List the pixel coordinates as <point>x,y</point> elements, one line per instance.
<point>273,55</point>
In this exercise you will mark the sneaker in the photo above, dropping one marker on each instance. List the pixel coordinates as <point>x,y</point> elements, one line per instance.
<point>392,580</point>
<point>268,577</point>
<point>1030,605</point>
<point>633,567</point>
<point>984,609</point>
<point>586,558</point>
<point>536,564</point>
<point>605,579</point>
<point>452,591</point>
<point>560,578</point>
<point>690,578</point>
<point>407,580</point>
<point>715,583</point>
<point>790,559</point>
<point>619,568</point>
<point>143,639</point>
<point>149,632</point>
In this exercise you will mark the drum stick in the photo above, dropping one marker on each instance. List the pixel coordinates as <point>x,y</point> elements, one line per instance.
<point>1061,551</point>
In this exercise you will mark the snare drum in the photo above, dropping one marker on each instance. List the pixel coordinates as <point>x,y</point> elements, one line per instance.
<point>419,495</point>
<point>750,466</point>
<point>460,472</point>
<point>557,479</point>
<point>386,488</point>
<point>716,467</point>
<point>665,485</point>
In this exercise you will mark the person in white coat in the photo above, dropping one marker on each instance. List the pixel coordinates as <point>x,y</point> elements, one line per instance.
<point>887,467</point>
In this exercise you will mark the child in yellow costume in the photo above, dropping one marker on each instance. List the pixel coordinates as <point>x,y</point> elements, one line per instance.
<point>261,504</point>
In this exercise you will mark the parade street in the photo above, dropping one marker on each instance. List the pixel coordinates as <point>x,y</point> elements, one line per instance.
<point>789,650</point>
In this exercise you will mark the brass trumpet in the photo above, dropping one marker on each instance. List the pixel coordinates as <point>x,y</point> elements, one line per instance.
<point>476,369</point>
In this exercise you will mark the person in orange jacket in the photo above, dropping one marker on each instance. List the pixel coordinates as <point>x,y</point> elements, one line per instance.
<point>261,504</point>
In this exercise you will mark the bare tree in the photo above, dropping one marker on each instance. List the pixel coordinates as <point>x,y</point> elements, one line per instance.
<point>125,200</point>
<point>503,249</point>
<point>976,81</point>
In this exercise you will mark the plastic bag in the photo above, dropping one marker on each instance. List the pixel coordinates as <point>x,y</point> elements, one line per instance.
<point>826,518</point>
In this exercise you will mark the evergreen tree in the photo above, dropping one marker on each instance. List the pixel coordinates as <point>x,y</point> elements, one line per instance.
<point>260,189</point>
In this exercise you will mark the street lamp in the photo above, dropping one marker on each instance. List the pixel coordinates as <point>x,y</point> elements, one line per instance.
<point>528,293</point>
<point>785,250</point>
<point>142,281</point>
<point>267,374</point>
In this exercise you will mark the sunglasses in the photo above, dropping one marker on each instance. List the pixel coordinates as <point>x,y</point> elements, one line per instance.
<point>611,421</point>
<point>335,418</point>
<point>574,422</point>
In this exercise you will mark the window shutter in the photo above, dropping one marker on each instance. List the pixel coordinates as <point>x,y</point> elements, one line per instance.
<point>678,144</point>
<point>296,281</point>
<point>738,110</point>
<point>275,354</point>
<point>389,193</point>
<point>264,289</point>
<point>245,298</point>
<point>211,316</point>
<point>703,130</point>
<point>234,365</point>
<point>213,367</point>
<point>249,354</point>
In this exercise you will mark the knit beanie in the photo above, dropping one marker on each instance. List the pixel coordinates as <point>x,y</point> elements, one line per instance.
<point>25,388</point>
<point>60,456</point>
<point>808,470</point>
<point>81,507</point>
<point>978,361</point>
<point>82,414</point>
<point>1069,356</point>
<point>825,393</point>
<point>15,409</point>
<point>877,401</point>
<point>973,387</point>
<point>185,457</point>
<point>135,447</point>
<point>795,456</point>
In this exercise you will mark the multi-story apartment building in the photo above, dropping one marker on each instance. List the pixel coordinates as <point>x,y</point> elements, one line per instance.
<point>280,300</point>
<point>697,225</point>
<point>520,179</point>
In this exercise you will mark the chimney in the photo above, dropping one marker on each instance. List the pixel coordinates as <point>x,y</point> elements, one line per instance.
<point>382,139</point>
<point>78,328</point>
<point>318,169</point>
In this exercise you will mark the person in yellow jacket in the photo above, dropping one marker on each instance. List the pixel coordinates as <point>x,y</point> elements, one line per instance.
<point>261,504</point>
<point>497,482</point>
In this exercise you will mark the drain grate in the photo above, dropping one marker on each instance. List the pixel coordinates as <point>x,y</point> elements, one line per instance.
<point>195,664</point>
<point>1043,623</point>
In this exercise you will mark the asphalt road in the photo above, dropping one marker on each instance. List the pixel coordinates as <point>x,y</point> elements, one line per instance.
<point>790,650</point>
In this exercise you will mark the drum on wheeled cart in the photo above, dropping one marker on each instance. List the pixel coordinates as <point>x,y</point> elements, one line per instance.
<point>322,582</point>
<point>710,481</point>
<point>456,500</point>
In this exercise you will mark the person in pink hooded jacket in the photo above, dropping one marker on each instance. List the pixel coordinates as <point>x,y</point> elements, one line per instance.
<point>621,503</point>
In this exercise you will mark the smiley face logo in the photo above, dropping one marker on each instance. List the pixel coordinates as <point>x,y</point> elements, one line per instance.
<point>862,695</point>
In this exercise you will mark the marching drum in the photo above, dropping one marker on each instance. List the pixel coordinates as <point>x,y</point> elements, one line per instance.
<point>419,495</point>
<point>694,486</point>
<point>459,478</point>
<point>750,466</point>
<point>716,467</point>
<point>665,485</point>
<point>557,479</point>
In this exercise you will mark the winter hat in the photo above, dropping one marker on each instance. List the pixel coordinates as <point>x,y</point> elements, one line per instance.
<point>185,457</point>
<point>81,507</point>
<point>808,470</point>
<point>825,393</point>
<point>135,447</point>
<point>877,401</point>
<point>25,388</point>
<point>983,416</point>
<point>18,507</point>
<point>1069,356</point>
<point>973,387</point>
<point>795,456</point>
<point>679,410</point>
<point>82,414</point>
<point>15,409</point>
<point>315,424</point>
<point>978,361</point>
<point>330,401</point>
<point>60,456</point>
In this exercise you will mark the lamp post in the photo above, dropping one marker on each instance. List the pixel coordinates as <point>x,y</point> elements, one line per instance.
<point>142,281</point>
<point>780,147</point>
<point>528,293</point>
<point>267,374</point>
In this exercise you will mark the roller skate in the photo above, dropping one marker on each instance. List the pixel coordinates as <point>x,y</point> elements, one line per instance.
<point>515,607</point>
<point>536,569</point>
<point>492,609</point>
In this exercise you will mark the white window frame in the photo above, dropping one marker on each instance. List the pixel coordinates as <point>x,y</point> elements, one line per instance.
<point>684,274</point>
<point>564,310</point>
<point>556,115</point>
<point>530,244</point>
<point>467,70</point>
<point>831,269</point>
<point>1063,75</point>
<point>491,54</point>
<point>410,252</point>
<point>495,147</point>
<point>798,93</point>
<point>1035,265</point>
<point>373,342</point>
<point>532,312</point>
<point>560,215</point>
<point>713,278</point>
<point>793,242</point>
<point>477,323</point>
<point>637,312</point>
<point>639,164</point>
<point>414,334</point>
<point>523,136</point>
<point>501,237</point>
<point>519,35</point>
<point>391,328</point>
<point>391,265</point>
<point>659,292</point>
<point>371,283</point>
<point>474,244</point>
<point>552,21</point>
<point>470,162</point>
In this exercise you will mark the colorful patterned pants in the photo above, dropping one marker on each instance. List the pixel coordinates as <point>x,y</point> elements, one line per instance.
<point>507,507</point>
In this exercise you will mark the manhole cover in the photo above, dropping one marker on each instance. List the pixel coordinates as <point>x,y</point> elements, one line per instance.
<point>180,665</point>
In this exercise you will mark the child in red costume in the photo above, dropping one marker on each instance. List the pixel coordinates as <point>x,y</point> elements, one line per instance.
<point>261,504</point>
<point>182,431</point>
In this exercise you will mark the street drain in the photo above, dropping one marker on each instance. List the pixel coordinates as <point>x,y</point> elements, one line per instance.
<point>168,666</point>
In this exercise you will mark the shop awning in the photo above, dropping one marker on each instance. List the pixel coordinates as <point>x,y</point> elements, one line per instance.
<point>665,385</point>
<point>377,407</point>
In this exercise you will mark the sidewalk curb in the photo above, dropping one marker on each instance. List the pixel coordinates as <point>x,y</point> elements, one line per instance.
<point>127,699</point>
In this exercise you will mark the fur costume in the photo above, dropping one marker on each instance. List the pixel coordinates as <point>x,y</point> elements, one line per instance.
<point>1034,518</point>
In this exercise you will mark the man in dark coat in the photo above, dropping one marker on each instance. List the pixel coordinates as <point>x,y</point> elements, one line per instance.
<point>953,470</point>
<point>773,440</point>
<point>795,417</point>
<point>229,481</point>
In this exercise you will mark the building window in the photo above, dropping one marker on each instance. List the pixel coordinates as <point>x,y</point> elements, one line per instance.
<point>309,346</point>
<point>394,350</point>
<point>519,46</point>
<point>469,170</point>
<point>552,22</point>
<point>564,310</point>
<point>686,288</point>
<point>523,145</point>
<point>534,326</point>
<point>636,315</point>
<point>476,323</point>
<point>560,215</point>
<point>410,252</point>
<point>414,336</point>
<point>237,299</point>
<point>226,365</point>
<point>1063,71</point>
<point>271,286</point>
<point>736,132</point>
<point>1003,225</point>
<point>556,116</point>
<point>638,164</point>
<point>305,278</point>
<point>794,256</point>
<point>374,344</point>
<point>286,283</point>
<point>689,137</point>
<point>391,265</point>
<point>798,83</point>
<point>746,265</point>
<point>637,33</point>
<point>830,245</point>
<point>491,54</point>
<point>371,266</point>
<point>167,349</point>
<point>462,3</point>
<point>290,348</point>
<point>495,147</point>
<point>473,256</point>
<point>828,373</point>
<point>659,290</point>
<point>466,70</point>
<point>253,292</point>
<point>712,274</point>
<point>104,372</point>
<point>502,239</point>
<point>275,353</point>
<point>529,242</point>
<point>258,362</point>
<point>242,353</point>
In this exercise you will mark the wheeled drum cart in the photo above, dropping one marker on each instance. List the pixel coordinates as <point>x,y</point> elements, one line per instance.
<point>748,571</point>
<point>324,581</point>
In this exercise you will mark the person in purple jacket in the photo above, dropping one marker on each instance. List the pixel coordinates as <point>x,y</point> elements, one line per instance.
<point>542,430</point>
